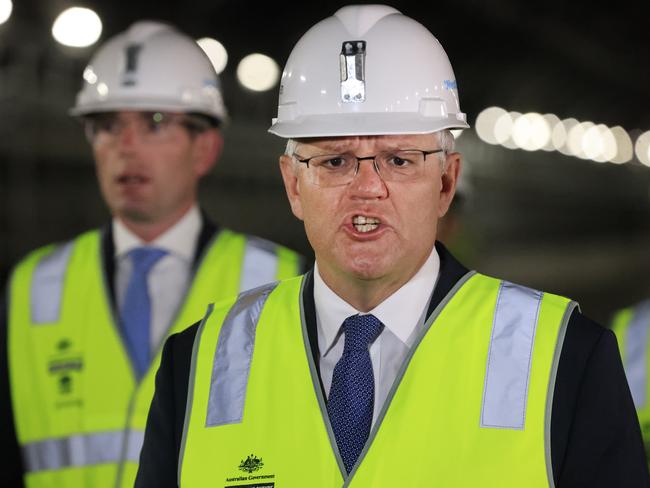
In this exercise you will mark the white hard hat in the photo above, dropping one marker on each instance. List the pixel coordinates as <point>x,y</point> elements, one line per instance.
<point>151,66</point>
<point>367,70</point>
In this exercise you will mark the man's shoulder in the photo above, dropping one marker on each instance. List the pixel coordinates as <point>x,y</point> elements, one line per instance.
<point>261,244</point>
<point>56,250</point>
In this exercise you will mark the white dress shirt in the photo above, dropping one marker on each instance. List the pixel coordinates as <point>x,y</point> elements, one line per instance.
<point>403,315</point>
<point>169,278</point>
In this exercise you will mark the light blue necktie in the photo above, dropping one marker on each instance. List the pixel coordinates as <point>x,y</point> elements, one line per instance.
<point>352,395</point>
<point>136,309</point>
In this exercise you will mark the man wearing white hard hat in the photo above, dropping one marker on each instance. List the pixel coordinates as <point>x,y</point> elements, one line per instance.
<point>388,364</point>
<point>86,319</point>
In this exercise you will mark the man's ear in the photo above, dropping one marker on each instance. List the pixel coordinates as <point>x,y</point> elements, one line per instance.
<point>208,145</point>
<point>449,179</point>
<point>291,184</point>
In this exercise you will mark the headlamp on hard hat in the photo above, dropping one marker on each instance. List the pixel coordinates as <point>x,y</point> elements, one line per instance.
<point>353,79</point>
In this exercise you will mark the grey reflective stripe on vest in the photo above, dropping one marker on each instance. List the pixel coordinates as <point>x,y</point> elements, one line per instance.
<point>636,353</point>
<point>260,264</point>
<point>233,357</point>
<point>81,450</point>
<point>509,357</point>
<point>47,285</point>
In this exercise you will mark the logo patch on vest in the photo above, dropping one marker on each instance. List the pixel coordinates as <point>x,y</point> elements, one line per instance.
<point>252,464</point>
<point>64,366</point>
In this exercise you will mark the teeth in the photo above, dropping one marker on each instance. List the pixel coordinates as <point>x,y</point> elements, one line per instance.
<point>365,224</point>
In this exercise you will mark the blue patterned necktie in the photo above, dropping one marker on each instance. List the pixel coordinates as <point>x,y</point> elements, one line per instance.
<point>136,309</point>
<point>352,395</point>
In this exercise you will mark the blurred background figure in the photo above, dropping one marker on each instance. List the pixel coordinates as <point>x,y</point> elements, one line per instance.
<point>632,328</point>
<point>86,319</point>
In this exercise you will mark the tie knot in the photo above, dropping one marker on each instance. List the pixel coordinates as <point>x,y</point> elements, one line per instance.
<point>361,331</point>
<point>143,258</point>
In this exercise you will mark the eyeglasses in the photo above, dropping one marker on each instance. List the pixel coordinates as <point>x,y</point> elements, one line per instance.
<point>340,169</point>
<point>151,127</point>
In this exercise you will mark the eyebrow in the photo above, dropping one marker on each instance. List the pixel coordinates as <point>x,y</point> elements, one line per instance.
<point>344,147</point>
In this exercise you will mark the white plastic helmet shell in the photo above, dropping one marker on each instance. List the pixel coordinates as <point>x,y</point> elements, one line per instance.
<point>399,82</point>
<point>151,66</point>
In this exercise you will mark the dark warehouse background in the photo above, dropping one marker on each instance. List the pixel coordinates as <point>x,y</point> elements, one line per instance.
<point>550,221</point>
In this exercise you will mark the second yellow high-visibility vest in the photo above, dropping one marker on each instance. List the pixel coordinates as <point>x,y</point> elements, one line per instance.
<point>470,408</point>
<point>79,411</point>
<point>632,329</point>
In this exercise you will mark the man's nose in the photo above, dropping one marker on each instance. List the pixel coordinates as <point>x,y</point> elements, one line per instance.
<point>367,180</point>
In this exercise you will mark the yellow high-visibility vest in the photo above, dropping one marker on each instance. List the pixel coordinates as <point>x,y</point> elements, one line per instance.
<point>79,411</point>
<point>632,328</point>
<point>470,408</point>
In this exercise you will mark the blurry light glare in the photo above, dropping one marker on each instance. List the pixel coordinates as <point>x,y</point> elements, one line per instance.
<point>624,148</point>
<point>5,10</point>
<point>531,132</point>
<point>642,148</point>
<point>486,124</point>
<point>575,139</point>
<point>611,147</point>
<point>503,128</point>
<point>593,143</point>
<point>559,135</point>
<point>258,72</point>
<point>552,121</point>
<point>102,89</point>
<point>77,27</point>
<point>90,76</point>
<point>215,51</point>
<point>456,133</point>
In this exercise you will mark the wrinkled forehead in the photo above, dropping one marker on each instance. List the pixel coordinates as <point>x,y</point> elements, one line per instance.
<point>371,143</point>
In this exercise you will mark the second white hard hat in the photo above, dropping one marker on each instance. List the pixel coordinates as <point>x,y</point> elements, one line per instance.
<point>367,70</point>
<point>151,66</point>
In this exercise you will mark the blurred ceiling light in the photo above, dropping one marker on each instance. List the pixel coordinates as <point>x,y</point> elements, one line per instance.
<point>486,122</point>
<point>599,143</point>
<point>552,121</point>
<point>77,27</point>
<point>624,148</point>
<point>5,10</point>
<point>258,72</point>
<point>560,135</point>
<point>502,127</point>
<point>642,148</point>
<point>531,132</point>
<point>575,139</point>
<point>215,51</point>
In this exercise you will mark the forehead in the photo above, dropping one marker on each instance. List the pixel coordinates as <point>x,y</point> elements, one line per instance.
<point>379,143</point>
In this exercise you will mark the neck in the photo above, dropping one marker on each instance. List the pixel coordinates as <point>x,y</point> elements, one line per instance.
<point>364,294</point>
<point>149,230</point>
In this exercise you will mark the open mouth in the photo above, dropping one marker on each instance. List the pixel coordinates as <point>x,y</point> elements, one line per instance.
<point>131,179</point>
<point>365,224</point>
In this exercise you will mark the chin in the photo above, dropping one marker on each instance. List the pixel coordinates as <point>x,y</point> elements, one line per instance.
<point>367,269</point>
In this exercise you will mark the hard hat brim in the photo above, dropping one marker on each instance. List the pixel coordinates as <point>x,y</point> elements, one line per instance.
<point>144,106</point>
<point>338,125</point>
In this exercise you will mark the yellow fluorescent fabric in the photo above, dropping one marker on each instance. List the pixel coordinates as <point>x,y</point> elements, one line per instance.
<point>429,432</point>
<point>79,413</point>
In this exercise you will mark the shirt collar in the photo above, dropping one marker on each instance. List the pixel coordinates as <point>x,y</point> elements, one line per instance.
<point>179,240</point>
<point>400,313</point>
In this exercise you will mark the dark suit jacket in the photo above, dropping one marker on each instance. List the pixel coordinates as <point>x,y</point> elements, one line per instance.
<point>595,435</point>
